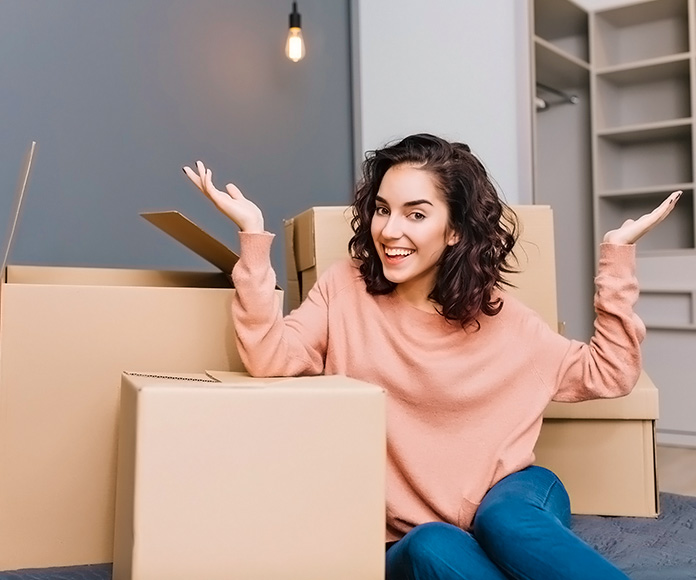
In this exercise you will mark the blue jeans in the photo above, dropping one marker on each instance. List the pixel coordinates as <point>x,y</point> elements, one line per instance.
<point>521,531</point>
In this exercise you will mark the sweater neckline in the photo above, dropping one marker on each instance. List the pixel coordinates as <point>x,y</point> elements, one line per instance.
<point>420,319</point>
<point>402,302</point>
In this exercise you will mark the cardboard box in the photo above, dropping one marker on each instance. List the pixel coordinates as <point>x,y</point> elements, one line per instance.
<point>604,450</point>
<point>226,476</point>
<point>66,334</point>
<point>314,240</point>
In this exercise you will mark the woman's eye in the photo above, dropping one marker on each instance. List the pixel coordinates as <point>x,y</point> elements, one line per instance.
<point>382,211</point>
<point>416,215</point>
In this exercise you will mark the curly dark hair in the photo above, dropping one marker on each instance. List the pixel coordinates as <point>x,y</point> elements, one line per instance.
<point>473,267</point>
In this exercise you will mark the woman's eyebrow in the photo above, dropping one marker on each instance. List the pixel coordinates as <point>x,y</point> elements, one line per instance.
<point>407,204</point>
<point>417,202</point>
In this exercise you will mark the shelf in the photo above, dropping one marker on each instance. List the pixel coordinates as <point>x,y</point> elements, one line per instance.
<point>652,191</point>
<point>558,69</point>
<point>687,327</point>
<point>563,24</point>
<point>640,31</point>
<point>676,129</point>
<point>644,71</point>
<point>671,253</point>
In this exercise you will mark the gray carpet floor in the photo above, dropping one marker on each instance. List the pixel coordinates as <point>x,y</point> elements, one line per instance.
<point>644,548</point>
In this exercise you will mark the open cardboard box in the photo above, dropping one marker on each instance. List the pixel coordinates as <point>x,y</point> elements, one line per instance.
<point>221,475</point>
<point>66,334</point>
<point>604,450</point>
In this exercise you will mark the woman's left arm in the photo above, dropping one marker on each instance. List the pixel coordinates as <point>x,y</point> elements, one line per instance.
<point>609,366</point>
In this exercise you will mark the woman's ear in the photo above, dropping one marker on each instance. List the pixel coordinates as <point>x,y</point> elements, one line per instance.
<point>453,238</point>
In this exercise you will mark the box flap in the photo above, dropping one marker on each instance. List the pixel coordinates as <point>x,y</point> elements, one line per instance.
<point>90,276</point>
<point>289,231</point>
<point>293,289</point>
<point>641,403</point>
<point>242,379</point>
<point>194,238</point>
<point>197,377</point>
<point>321,382</point>
<point>17,204</point>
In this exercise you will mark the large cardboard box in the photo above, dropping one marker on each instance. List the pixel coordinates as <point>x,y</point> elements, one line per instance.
<point>66,334</point>
<point>604,451</point>
<point>224,476</point>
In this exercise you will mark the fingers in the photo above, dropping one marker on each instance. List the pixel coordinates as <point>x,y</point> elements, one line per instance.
<point>234,191</point>
<point>661,211</point>
<point>193,176</point>
<point>666,207</point>
<point>208,180</point>
<point>202,178</point>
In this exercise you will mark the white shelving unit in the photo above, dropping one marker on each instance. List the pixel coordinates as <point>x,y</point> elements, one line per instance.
<point>642,97</point>
<point>625,142</point>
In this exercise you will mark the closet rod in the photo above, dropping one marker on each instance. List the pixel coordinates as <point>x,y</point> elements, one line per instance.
<point>567,97</point>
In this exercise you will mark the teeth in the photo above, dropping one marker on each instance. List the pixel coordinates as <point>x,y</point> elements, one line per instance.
<point>397,252</point>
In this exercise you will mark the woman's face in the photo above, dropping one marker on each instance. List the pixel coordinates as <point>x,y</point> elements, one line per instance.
<point>410,229</point>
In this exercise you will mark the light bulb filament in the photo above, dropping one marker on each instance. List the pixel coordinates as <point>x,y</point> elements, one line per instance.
<point>295,48</point>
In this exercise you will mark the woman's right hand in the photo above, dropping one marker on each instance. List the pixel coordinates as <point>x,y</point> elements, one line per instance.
<point>232,203</point>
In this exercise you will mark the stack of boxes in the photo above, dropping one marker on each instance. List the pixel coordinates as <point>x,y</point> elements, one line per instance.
<point>214,469</point>
<point>66,335</point>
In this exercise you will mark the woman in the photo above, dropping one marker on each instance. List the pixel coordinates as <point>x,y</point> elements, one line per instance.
<point>420,310</point>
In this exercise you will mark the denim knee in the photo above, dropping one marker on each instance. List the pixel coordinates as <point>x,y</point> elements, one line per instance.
<point>519,501</point>
<point>421,551</point>
<point>427,539</point>
<point>438,550</point>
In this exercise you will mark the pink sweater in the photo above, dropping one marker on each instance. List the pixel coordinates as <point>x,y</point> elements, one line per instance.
<point>464,408</point>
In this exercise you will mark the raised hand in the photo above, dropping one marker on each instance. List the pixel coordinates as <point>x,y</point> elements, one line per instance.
<point>231,202</point>
<point>632,230</point>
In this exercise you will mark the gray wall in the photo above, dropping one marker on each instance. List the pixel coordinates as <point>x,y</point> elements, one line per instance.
<point>119,95</point>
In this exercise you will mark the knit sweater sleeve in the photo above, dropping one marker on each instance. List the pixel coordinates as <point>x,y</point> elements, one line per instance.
<point>270,345</point>
<point>609,366</point>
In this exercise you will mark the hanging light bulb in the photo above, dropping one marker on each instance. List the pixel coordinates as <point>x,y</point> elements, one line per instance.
<point>295,47</point>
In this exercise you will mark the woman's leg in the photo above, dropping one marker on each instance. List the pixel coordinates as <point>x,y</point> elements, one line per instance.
<point>523,525</point>
<point>439,551</point>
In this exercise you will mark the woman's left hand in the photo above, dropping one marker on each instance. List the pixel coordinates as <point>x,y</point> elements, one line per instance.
<point>632,230</point>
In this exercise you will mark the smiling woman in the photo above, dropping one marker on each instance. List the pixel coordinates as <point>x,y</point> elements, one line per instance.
<point>468,372</point>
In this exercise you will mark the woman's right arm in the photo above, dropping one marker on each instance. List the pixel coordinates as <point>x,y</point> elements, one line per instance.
<point>268,344</point>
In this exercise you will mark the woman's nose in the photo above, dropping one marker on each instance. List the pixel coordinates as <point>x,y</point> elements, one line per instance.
<point>392,229</point>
